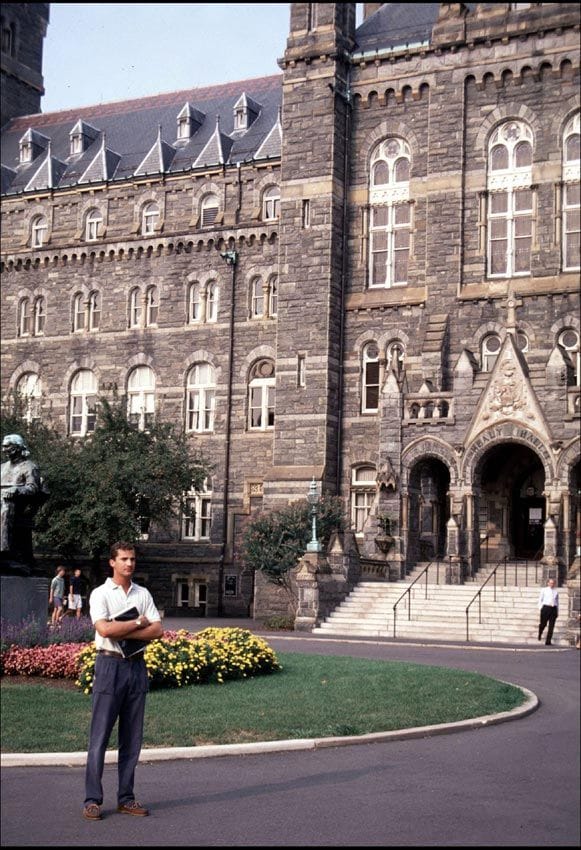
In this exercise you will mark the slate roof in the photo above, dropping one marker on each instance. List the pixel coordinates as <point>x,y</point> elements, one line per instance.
<point>137,137</point>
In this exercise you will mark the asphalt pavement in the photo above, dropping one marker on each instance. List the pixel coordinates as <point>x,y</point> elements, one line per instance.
<point>496,783</point>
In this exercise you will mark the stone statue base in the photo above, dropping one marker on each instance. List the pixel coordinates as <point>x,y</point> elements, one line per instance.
<point>23,597</point>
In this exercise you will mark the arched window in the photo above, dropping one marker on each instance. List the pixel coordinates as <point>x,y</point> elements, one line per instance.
<point>39,232</point>
<point>569,340</point>
<point>273,296</point>
<point>370,376</point>
<point>39,315</point>
<point>571,194</point>
<point>141,397</point>
<point>522,341</point>
<point>93,223</point>
<point>24,317</point>
<point>151,306</point>
<point>83,403</point>
<point>209,210</point>
<point>194,303</point>
<point>257,298</point>
<point>78,312</point>
<point>197,513</point>
<point>395,357</point>
<point>390,214</point>
<point>489,351</point>
<point>94,305</point>
<point>135,308</point>
<point>150,219</point>
<point>271,204</point>
<point>201,398</point>
<point>28,390</point>
<point>261,391</point>
<point>510,202</point>
<point>363,490</point>
<point>212,301</point>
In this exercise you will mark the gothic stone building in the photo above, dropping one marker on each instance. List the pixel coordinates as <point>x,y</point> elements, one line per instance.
<point>362,270</point>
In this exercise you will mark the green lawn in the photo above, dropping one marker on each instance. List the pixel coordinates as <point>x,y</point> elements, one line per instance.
<point>313,696</point>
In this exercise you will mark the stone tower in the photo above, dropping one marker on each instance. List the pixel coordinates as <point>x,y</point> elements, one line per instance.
<point>23,27</point>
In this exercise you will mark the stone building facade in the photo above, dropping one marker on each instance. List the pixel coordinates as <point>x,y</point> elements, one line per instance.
<point>364,271</point>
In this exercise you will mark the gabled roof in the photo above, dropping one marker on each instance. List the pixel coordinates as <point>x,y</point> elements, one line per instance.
<point>272,145</point>
<point>102,166</point>
<point>159,158</point>
<point>216,150</point>
<point>48,173</point>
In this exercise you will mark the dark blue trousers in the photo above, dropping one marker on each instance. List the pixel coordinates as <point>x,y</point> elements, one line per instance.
<point>119,692</point>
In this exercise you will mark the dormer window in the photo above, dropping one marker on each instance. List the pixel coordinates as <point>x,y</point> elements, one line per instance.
<point>246,111</point>
<point>76,144</point>
<point>25,151</point>
<point>184,126</point>
<point>240,118</point>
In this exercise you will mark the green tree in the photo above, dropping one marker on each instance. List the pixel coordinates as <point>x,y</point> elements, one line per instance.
<point>108,485</point>
<point>273,542</point>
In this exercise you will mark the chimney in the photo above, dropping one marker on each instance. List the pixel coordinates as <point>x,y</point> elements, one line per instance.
<point>370,9</point>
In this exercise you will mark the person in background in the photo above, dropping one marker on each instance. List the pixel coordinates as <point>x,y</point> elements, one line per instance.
<point>56,594</point>
<point>549,608</point>
<point>75,593</point>
<point>120,684</point>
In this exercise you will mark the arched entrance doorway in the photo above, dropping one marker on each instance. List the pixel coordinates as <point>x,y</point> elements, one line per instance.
<point>429,483</point>
<point>510,503</point>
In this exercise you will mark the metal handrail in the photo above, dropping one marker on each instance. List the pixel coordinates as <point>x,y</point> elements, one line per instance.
<point>437,562</point>
<point>505,561</point>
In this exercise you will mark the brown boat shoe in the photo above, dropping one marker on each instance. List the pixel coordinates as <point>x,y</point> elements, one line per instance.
<point>92,811</point>
<point>132,807</point>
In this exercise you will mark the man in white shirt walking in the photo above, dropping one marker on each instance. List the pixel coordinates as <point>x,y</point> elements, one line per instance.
<point>549,608</point>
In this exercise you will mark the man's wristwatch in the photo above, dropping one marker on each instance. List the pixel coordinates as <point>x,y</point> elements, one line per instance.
<point>138,622</point>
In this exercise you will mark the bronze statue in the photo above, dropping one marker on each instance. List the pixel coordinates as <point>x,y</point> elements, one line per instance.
<point>22,495</point>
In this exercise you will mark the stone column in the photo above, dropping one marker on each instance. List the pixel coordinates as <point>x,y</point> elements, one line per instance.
<point>454,566</point>
<point>308,592</point>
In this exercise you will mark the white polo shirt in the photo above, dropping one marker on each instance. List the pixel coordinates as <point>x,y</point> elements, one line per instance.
<point>549,596</point>
<point>110,599</point>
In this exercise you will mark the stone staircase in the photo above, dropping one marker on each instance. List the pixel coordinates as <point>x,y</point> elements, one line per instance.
<point>438,611</point>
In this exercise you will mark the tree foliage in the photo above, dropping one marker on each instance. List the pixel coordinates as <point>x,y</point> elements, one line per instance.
<point>274,542</point>
<point>107,485</point>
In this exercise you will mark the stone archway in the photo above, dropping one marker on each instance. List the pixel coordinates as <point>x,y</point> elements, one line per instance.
<point>428,509</point>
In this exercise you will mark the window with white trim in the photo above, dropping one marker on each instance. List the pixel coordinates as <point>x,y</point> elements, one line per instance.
<point>257,298</point>
<point>273,296</point>
<point>39,231</point>
<point>390,214</point>
<point>490,350</point>
<point>510,200</point>
<point>569,340</point>
<point>197,513</point>
<point>28,390</point>
<point>194,303</point>
<point>78,312</point>
<point>211,301</point>
<point>83,403</point>
<point>201,398</point>
<point>150,219</point>
<point>363,491</point>
<point>209,210</point>
<point>271,204</point>
<point>261,395</point>
<point>370,378</point>
<point>151,306</point>
<point>141,397</point>
<point>94,310</point>
<point>135,304</point>
<point>24,317</point>
<point>39,314</point>
<point>93,223</point>
<point>572,194</point>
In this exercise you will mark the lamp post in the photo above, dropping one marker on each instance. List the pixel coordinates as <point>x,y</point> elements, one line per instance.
<point>313,499</point>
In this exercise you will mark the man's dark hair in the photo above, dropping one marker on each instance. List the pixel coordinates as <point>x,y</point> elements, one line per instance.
<point>120,545</point>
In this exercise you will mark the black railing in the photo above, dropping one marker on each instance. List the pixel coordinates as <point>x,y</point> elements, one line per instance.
<point>502,566</point>
<point>407,591</point>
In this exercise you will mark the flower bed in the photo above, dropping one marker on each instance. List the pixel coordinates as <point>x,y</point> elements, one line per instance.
<point>176,659</point>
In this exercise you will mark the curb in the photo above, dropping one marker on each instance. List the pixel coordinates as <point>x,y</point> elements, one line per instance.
<point>78,759</point>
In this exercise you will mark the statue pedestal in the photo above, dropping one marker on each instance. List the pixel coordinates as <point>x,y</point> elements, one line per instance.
<point>24,597</point>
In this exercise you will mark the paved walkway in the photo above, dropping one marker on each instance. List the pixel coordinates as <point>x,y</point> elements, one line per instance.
<point>493,785</point>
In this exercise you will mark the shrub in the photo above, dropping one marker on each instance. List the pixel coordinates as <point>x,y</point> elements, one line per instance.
<point>57,661</point>
<point>279,621</point>
<point>32,632</point>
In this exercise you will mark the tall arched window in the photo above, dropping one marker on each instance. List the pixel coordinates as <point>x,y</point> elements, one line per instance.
<point>78,312</point>
<point>201,398</point>
<point>571,194</point>
<point>93,223</point>
<point>212,301</point>
<point>149,219</point>
<point>510,201</point>
<point>194,303</point>
<point>261,390</point>
<point>83,403</point>
<point>24,317</point>
<point>209,210</point>
<point>390,214</point>
<point>94,310</point>
<point>363,490</point>
<point>273,296</point>
<point>39,315</point>
<point>490,350</point>
<point>141,397</point>
<point>151,306</point>
<point>197,513</point>
<point>569,340</point>
<point>39,231</point>
<point>370,379</point>
<point>28,390</point>
<point>271,204</point>
<point>256,298</point>
<point>135,308</point>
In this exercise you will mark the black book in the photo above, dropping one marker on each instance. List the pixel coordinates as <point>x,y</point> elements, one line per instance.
<point>130,646</point>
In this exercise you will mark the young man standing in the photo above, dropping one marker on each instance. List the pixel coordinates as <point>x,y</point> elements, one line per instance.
<point>55,598</point>
<point>120,684</point>
<point>75,593</point>
<point>549,610</point>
